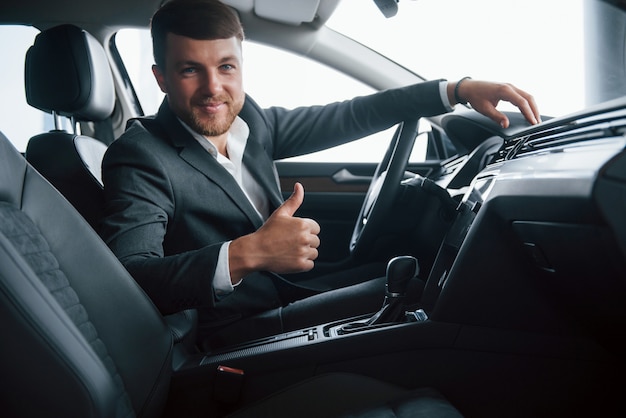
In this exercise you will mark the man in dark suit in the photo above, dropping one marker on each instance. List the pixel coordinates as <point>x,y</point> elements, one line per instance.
<point>194,209</point>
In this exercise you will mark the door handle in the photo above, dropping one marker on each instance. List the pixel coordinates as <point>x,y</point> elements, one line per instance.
<point>344,176</point>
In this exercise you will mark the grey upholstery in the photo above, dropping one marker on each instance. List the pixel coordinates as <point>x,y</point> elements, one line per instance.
<point>48,284</point>
<point>67,74</point>
<point>73,319</point>
<point>81,339</point>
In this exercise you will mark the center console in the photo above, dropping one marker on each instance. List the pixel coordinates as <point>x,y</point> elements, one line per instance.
<point>299,354</point>
<point>373,332</point>
<point>468,327</point>
<point>466,212</point>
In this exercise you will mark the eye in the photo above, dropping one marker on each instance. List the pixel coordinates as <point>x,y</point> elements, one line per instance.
<point>188,70</point>
<point>227,67</point>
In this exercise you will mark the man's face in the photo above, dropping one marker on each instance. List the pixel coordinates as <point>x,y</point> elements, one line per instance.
<point>203,82</point>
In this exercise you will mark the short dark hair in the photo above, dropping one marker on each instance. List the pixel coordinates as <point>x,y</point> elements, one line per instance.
<point>196,19</point>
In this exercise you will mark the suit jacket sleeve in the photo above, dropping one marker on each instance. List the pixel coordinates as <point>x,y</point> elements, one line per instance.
<point>140,201</point>
<point>305,130</point>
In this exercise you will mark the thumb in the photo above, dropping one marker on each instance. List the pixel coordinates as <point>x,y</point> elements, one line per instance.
<point>489,109</point>
<point>291,205</point>
<point>502,120</point>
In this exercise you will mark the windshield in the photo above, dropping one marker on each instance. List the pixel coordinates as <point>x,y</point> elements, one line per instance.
<point>534,44</point>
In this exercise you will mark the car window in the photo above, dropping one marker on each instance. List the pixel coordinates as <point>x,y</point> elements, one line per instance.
<point>313,83</point>
<point>18,120</point>
<point>533,44</point>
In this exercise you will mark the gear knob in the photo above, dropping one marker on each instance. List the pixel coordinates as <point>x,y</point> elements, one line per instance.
<point>399,271</point>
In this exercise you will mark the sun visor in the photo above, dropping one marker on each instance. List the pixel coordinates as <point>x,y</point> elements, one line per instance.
<point>292,12</point>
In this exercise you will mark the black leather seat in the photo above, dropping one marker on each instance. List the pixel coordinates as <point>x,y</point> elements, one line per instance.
<point>80,337</point>
<point>82,340</point>
<point>67,74</point>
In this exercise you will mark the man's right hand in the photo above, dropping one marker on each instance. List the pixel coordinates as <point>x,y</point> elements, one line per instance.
<point>284,244</point>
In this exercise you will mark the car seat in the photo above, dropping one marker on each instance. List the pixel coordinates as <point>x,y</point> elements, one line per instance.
<point>81,339</point>
<point>67,74</point>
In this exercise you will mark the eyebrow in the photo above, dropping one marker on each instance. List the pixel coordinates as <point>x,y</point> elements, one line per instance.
<point>227,58</point>
<point>186,62</point>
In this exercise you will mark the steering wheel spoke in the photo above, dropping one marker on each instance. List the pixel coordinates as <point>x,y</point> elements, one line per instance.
<point>378,203</point>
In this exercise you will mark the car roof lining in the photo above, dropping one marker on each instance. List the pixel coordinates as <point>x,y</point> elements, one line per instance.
<point>138,12</point>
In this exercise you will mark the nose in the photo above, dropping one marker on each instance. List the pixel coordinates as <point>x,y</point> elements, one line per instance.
<point>212,84</point>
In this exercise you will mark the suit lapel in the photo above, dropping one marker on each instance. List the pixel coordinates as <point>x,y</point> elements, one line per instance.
<point>256,158</point>
<point>262,168</point>
<point>197,157</point>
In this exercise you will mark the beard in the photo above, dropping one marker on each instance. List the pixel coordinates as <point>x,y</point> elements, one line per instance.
<point>214,124</point>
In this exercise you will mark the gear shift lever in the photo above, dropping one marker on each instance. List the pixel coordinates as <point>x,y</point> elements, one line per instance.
<point>400,270</point>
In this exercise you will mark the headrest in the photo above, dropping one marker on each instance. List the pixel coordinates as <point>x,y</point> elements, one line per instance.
<point>67,72</point>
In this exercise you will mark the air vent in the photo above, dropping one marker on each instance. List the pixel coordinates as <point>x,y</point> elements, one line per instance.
<point>556,139</point>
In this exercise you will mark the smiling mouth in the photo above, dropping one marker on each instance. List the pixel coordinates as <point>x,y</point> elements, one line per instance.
<point>212,107</point>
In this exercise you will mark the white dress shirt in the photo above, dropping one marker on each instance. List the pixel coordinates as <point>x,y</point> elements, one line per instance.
<point>235,147</point>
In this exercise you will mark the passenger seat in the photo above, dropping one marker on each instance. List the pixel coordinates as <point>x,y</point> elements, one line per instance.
<point>67,74</point>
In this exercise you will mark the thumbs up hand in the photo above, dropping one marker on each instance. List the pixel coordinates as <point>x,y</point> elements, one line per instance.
<point>291,205</point>
<point>284,244</point>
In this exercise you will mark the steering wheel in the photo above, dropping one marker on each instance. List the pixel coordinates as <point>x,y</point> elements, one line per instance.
<point>381,195</point>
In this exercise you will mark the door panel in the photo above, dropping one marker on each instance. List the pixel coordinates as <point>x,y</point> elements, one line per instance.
<point>333,195</point>
<point>335,206</point>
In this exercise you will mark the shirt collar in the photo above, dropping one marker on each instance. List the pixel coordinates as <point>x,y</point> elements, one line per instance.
<point>235,145</point>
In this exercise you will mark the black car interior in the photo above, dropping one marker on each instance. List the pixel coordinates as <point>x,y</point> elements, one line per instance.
<point>81,88</point>
<point>522,312</point>
<point>87,337</point>
<point>84,335</point>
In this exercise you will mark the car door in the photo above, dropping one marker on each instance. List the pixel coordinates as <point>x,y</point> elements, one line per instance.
<point>335,188</point>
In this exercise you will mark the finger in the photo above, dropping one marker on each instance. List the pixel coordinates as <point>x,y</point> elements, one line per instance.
<point>314,227</point>
<point>311,256</point>
<point>488,109</point>
<point>501,119</point>
<point>291,205</point>
<point>533,108</point>
<point>526,104</point>
<point>314,241</point>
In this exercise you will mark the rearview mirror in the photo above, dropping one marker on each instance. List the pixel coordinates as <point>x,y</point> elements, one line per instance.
<point>388,7</point>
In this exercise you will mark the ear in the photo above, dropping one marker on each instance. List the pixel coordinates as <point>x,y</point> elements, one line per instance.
<point>160,78</point>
